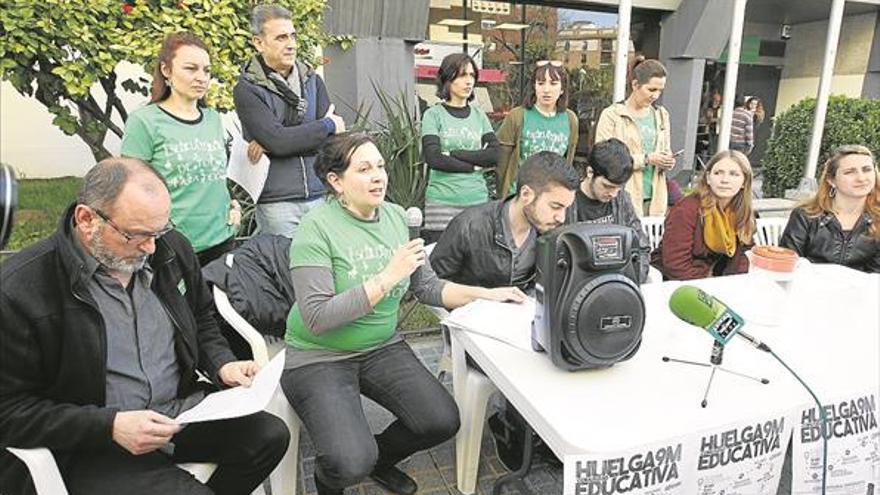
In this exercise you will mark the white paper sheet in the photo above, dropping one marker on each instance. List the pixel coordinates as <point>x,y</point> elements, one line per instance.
<point>251,176</point>
<point>239,401</point>
<point>510,323</point>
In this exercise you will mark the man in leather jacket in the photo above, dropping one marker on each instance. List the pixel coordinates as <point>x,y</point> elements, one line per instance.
<point>493,245</point>
<point>104,327</point>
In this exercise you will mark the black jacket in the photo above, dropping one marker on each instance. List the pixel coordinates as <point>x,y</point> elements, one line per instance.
<point>291,148</point>
<point>473,251</point>
<point>820,239</point>
<point>624,214</point>
<point>258,284</point>
<point>53,345</point>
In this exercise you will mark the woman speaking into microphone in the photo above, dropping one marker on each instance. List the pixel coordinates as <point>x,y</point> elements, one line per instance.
<point>351,263</point>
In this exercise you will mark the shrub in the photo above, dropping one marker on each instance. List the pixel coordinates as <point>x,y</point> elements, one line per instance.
<point>848,121</point>
<point>64,53</point>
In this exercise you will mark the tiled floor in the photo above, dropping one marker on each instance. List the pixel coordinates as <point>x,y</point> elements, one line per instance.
<point>434,470</point>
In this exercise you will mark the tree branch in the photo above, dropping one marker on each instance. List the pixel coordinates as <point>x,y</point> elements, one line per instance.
<point>113,101</point>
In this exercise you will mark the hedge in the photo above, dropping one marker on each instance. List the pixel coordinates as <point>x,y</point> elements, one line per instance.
<point>848,121</point>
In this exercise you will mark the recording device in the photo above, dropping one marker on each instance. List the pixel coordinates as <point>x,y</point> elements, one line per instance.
<point>8,202</point>
<point>414,222</point>
<point>590,312</point>
<point>703,310</point>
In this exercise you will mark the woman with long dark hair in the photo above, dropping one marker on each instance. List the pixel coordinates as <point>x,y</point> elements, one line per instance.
<point>457,143</point>
<point>185,141</point>
<point>707,233</point>
<point>643,126</point>
<point>542,123</point>
<point>841,223</point>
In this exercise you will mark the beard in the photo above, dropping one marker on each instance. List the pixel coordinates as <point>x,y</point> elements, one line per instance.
<point>532,218</point>
<point>112,262</point>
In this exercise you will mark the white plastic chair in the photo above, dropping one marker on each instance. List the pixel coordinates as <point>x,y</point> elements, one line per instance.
<point>47,479</point>
<point>653,228</point>
<point>477,390</point>
<point>263,347</point>
<point>282,480</point>
<point>769,230</point>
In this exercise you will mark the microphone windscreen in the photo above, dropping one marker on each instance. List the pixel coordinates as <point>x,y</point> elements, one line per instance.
<point>695,306</point>
<point>413,217</point>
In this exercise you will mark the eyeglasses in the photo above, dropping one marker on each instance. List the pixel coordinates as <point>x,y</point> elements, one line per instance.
<point>554,63</point>
<point>138,238</point>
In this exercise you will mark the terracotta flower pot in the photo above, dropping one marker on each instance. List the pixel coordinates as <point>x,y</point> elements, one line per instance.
<point>774,258</point>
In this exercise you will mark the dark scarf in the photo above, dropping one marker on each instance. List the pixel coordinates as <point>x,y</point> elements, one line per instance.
<point>296,106</point>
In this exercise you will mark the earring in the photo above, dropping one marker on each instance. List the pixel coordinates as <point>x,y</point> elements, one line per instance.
<point>168,83</point>
<point>832,192</point>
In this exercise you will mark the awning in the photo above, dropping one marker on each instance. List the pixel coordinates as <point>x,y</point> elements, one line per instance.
<point>486,75</point>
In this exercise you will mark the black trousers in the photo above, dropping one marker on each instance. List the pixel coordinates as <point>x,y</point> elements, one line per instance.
<point>327,398</point>
<point>246,450</point>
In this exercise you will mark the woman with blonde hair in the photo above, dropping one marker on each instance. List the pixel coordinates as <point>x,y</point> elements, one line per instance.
<point>841,223</point>
<point>706,234</point>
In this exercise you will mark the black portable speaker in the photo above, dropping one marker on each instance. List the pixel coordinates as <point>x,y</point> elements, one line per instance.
<point>590,312</point>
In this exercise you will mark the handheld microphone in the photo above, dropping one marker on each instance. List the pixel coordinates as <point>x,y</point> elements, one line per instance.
<point>414,222</point>
<point>703,310</point>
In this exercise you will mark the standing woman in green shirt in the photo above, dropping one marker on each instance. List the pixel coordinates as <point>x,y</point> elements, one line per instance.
<point>643,126</point>
<point>542,123</point>
<point>457,143</point>
<point>351,262</point>
<point>185,141</point>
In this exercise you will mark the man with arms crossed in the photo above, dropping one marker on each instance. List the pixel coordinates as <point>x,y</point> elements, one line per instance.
<point>285,112</point>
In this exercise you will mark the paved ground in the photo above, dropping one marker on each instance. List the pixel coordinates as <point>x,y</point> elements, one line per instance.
<point>434,470</point>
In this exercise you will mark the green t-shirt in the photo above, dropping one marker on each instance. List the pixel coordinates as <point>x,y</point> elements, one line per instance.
<point>192,158</point>
<point>542,133</point>
<point>354,250</point>
<point>456,189</point>
<point>648,130</point>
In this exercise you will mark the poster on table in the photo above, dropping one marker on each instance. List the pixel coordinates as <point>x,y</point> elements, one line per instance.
<point>853,459</point>
<point>649,469</point>
<point>744,458</point>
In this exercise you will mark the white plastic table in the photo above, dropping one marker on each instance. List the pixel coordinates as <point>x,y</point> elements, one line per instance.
<point>825,326</point>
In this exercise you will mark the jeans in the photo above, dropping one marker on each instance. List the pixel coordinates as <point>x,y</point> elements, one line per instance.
<point>283,218</point>
<point>246,450</point>
<point>327,398</point>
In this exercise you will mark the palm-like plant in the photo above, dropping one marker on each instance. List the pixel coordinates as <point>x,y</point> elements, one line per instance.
<point>399,139</point>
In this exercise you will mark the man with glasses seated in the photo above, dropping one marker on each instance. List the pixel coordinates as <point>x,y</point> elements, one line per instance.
<point>104,327</point>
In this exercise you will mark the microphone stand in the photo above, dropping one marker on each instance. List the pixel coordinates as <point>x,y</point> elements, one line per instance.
<point>714,364</point>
